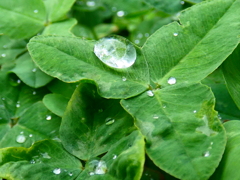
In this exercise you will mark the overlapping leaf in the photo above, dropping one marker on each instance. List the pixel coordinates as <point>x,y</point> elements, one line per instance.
<point>183,134</point>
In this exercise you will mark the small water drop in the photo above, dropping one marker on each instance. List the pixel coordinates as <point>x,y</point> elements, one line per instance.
<point>120,13</point>
<point>182,2</point>
<point>3,98</point>
<point>57,171</point>
<point>32,161</point>
<point>211,143</point>
<point>206,154</point>
<point>194,111</point>
<point>35,11</point>
<point>46,156</point>
<point>3,55</point>
<point>4,46</point>
<point>30,135</point>
<point>21,132</point>
<point>115,156</point>
<point>18,81</point>
<point>155,116</point>
<point>140,35</point>
<point>34,70</point>
<point>109,121</point>
<point>18,105</point>
<point>124,78</point>
<point>21,138</point>
<point>172,80</point>
<point>91,173</point>
<point>70,174</point>
<point>175,34</point>
<point>150,93</point>
<point>164,106</point>
<point>91,3</point>
<point>114,9</point>
<point>146,34</point>
<point>34,93</point>
<point>115,52</point>
<point>137,41</point>
<point>48,117</point>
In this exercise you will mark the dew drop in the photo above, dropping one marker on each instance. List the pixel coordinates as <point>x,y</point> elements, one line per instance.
<point>3,98</point>
<point>120,13</point>
<point>182,2</point>
<point>137,41</point>
<point>124,78</point>
<point>109,121</point>
<point>206,154</point>
<point>21,138</point>
<point>175,34</point>
<point>57,171</point>
<point>18,81</point>
<point>4,46</point>
<point>46,156</point>
<point>115,52</point>
<point>32,161</point>
<point>3,55</point>
<point>155,116</point>
<point>91,3</point>
<point>115,156</point>
<point>140,35</point>
<point>101,168</point>
<point>150,93</point>
<point>194,111</point>
<point>18,105</point>
<point>114,9</point>
<point>35,11</point>
<point>34,93</point>
<point>91,173</point>
<point>172,80</point>
<point>21,132</point>
<point>211,143</point>
<point>48,117</point>
<point>70,174</point>
<point>34,70</point>
<point>30,135</point>
<point>164,106</point>
<point>146,34</point>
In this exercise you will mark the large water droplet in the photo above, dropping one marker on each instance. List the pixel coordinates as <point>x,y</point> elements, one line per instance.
<point>109,121</point>
<point>48,117</point>
<point>57,171</point>
<point>150,93</point>
<point>115,52</point>
<point>172,80</point>
<point>21,138</point>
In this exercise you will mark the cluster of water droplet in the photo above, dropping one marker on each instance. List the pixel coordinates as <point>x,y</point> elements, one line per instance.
<point>97,167</point>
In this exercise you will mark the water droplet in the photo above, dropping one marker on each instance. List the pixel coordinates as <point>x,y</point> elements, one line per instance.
<point>124,78</point>
<point>45,155</point>
<point>35,11</point>
<point>172,80</point>
<point>137,41</point>
<point>3,98</point>
<point>211,143</point>
<point>114,9</point>
<point>150,93</point>
<point>32,161</point>
<point>97,167</point>
<point>146,34</point>
<point>3,55</point>
<point>4,46</point>
<point>115,52</point>
<point>70,174</point>
<point>21,132</point>
<point>140,35</point>
<point>34,70</point>
<point>194,111</point>
<point>164,106</point>
<point>18,81</point>
<point>206,154</point>
<point>57,171</point>
<point>175,34</point>
<point>182,2</point>
<point>115,156</point>
<point>30,135</point>
<point>91,173</point>
<point>18,104</point>
<point>120,13</point>
<point>34,93</point>
<point>155,116</point>
<point>48,117</point>
<point>21,138</point>
<point>109,121</point>
<point>91,3</point>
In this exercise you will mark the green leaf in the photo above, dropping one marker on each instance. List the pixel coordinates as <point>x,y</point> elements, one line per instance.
<point>56,103</point>
<point>194,1</point>
<point>231,72</point>
<point>44,160</point>
<point>167,6</point>
<point>229,163</point>
<point>90,125</point>
<point>9,49</point>
<point>22,19</point>
<point>62,28</point>
<point>27,71</point>
<point>35,124</point>
<point>183,134</point>
<point>57,9</point>
<point>191,50</point>
<point>71,59</point>
<point>124,160</point>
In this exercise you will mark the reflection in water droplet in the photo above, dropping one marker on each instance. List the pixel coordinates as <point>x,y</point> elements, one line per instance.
<point>124,78</point>
<point>206,154</point>
<point>91,3</point>
<point>115,52</point>
<point>150,93</point>
<point>109,121</point>
<point>120,13</point>
<point>34,70</point>
<point>48,117</point>
<point>172,80</point>
<point>57,171</point>
<point>175,34</point>
<point>3,55</point>
<point>35,11</point>
<point>21,138</point>
<point>115,156</point>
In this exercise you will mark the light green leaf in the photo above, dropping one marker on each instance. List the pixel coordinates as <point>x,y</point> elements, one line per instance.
<point>227,170</point>
<point>124,160</point>
<point>62,28</point>
<point>22,18</point>
<point>231,72</point>
<point>56,103</point>
<point>91,124</point>
<point>183,134</point>
<point>57,9</point>
<point>71,59</point>
<point>44,160</point>
<point>191,50</point>
<point>31,75</point>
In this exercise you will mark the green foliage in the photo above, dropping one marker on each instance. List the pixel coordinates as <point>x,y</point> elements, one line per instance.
<point>68,110</point>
